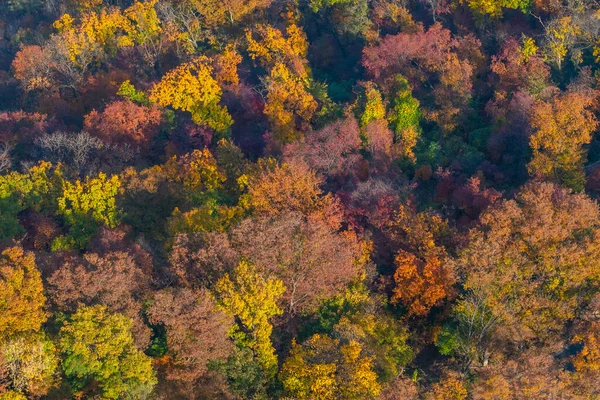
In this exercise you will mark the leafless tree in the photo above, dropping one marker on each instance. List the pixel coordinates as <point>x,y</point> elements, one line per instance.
<point>74,149</point>
<point>5,160</point>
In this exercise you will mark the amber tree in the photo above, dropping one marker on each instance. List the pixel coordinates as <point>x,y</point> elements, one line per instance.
<point>22,297</point>
<point>533,261</point>
<point>562,126</point>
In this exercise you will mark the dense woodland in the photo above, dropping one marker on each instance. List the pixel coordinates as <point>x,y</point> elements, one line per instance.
<point>299,199</point>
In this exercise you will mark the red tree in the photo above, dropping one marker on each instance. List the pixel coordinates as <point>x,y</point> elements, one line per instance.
<point>125,122</point>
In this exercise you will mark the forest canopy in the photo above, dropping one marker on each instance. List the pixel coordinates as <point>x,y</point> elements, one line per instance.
<point>300,199</point>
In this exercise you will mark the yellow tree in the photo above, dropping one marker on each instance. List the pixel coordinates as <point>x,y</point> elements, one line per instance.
<point>94,36</point>
<point>99,354</point>
<point>31,362</point>
<point>22,297</point>
<point>197,172</point>
<point>322,368</point>
<point>450,387</point>
<point>561,35</point>
<point>191,87</point>
<point>289,106</point>
<point>85,205</point>
<point>196,21</point>
<point>252,299</point>
<point>587,360</point>
<point>271,47</point>
<point>495,8</point>
<point>562,126</point>
<point>19,191</point>
<point>144,24</point>
<point>145,29</point>
<point>374,107</point>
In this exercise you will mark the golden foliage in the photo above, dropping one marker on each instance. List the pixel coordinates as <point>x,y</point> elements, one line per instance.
<point>191,87</point>
<point>22,297</point>
<point>252,299</point>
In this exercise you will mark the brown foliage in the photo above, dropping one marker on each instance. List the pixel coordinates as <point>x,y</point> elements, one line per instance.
<point>22,126</point>
<point>196,331</point>
<point>332,150</point>
<point>531,375</point>
<point>113,279</point>
<point>312,259</point>
<point>200,261</point>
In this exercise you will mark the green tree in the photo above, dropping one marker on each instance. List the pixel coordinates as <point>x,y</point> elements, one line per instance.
<point>19,191</point>
<point>404,115</point>
<point>98,350</point>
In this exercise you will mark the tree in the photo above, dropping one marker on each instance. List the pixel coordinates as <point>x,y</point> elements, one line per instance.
<point>12,395</point>
<point>31,362</point>
<point>79,150</point>
<point>196,331</point>
<point>33,68</point>
<point>22,297</point>
<point>197,173</point>
<point>85,205</point>
<point>195,22</point>
<point>434,64</point>
<point>494,9</point>
<point>450,387</point>
<point>226,66</point>
<point>323,368</point>
<point>272,47</point>
<point>332,150</point>
<point>424,275</point>
<point>125,122</point>
<point>373,108</point>
<point>313,259</point>
<point>421,284</point>
<point>113,279</point>
<point>404,116</point>
<point>289,106</point>
<point>252,299</point>
<point>533,260</point>
<point>532,374</point>
<point>191,87</point>
<point>275,188</point>
<point>469,333</point>
<point>587,360</point>
<point>561,35</point>
<point>98,351</point>
<point>20,191</point>
<point>94,37</point>
<point>517,67</point>
<point>145,30</point>
<point>562,126</point>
